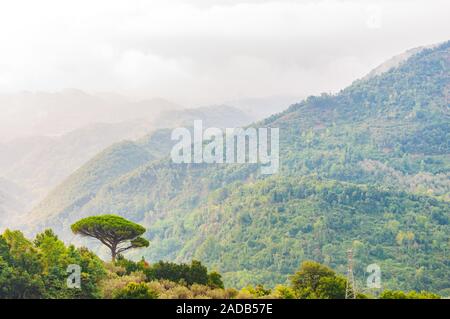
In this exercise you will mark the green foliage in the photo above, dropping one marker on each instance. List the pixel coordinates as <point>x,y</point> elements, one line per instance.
<point>186,274</point>
<point>256,292</point>
<point>136,291</point>
<point>284,292</point>
<point>315,281</point>
<point>195,273</point>
<point>38,269</point>
<point>129,265</point>
<point>396,294</point>
<point>319,219</point>
<point>215,280</point>
<point>117,225</point>
<point>112,231</point>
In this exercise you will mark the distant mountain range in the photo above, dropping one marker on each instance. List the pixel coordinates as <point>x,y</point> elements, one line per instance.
<point>52,114</point>
<point>40,163</point>
<point>263,107</point>
<point>12,201</point>
<point>366,168</point>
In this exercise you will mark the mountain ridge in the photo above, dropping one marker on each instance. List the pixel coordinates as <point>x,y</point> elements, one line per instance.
<point>396,122</point>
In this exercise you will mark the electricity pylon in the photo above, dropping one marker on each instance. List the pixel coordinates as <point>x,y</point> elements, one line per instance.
<point>350,289</point>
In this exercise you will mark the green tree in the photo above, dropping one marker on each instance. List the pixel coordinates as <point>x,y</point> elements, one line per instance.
<point>314,280</point>
<point>215,280</point>
<point>20,269</point>
<point>55,257</point>
<point>195,273</point>
<point>16,283</point>
<point>115,232</point>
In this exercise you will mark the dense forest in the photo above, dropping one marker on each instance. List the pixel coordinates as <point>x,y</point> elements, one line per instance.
<point>39,269</point>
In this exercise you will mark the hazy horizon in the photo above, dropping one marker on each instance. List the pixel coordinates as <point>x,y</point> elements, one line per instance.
<point>207,52</point>
<point>259,56</point>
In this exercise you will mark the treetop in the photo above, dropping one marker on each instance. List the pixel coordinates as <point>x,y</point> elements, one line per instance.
<point>107,224</point>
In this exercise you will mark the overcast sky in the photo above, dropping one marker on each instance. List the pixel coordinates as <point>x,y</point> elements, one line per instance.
<point>207,51</point>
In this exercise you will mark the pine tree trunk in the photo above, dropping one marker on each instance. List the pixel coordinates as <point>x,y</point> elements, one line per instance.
<point>113,253</point>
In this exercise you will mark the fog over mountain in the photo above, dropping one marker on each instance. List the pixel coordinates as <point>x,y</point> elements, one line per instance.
<point>55,113</point>
<point>31,166</point>
<point>199,52</point>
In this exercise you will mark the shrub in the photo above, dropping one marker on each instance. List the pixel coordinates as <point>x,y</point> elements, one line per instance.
<point>395,294</point>
<point>115,283</point>
<point>135,291</point>
<point>178,292</point>
<point>283,292</point>
<point>215,280</point>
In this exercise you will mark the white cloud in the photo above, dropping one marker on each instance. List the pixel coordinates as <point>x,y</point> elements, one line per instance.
<point>205,51</point>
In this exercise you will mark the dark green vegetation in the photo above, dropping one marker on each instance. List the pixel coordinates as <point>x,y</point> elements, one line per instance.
<point>368,168</point>
<point>115,232</point>
<point>38,269</point>
<point>195,273</point>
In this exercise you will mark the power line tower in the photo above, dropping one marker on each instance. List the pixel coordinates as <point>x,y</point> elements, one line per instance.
<point>350,289</point>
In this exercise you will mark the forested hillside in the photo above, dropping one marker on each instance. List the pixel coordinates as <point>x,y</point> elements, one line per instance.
<point>367,167</point>
<point>40,269</point>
